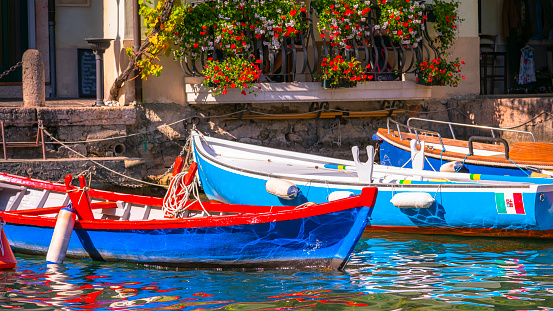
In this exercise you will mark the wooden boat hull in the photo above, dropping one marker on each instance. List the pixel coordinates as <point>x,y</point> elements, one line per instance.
<point>307,236</point>
<point>318,241</point>
<point>470,209</point>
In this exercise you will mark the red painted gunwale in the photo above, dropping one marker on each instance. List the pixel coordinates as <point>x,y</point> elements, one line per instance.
<point>248,214</point>
<point>94,193</point>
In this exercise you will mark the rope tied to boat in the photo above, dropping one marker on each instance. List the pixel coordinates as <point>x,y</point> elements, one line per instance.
<point>176,200</point>
<point>427,161</point>
<point>98,163</point>
<point>520,168</point>
<point>462,164</point>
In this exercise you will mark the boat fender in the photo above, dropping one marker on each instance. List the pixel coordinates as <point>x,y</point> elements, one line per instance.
<point>454,167</point>
<point>417,156</point>
<point>337,195</point>
<point>7,259</point>
<point>539,175</point>
<point>412,200</point>
<point>62,234</point>
<point>282,188</point>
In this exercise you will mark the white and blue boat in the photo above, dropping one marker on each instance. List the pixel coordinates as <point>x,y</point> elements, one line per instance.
<point>408,200</point>
<point>488,153</point>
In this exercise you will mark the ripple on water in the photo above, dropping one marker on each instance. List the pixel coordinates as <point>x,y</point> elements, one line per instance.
<point>386,272</point>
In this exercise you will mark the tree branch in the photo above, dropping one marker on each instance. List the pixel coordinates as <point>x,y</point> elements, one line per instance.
<point>122,78</point>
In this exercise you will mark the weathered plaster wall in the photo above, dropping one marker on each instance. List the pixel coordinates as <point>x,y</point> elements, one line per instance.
<point>73,25</point>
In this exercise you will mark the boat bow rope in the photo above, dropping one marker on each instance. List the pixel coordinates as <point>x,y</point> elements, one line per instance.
<point>176,200</point>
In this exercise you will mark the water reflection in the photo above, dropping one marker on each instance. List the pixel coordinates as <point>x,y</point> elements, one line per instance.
<point>386,272</point>
<point>476,272</point>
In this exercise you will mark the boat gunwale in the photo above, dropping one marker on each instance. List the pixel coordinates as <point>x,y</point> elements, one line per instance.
<point>190,222</point>
<point>94,193</point>
<point>442,184</point>
<point>242,214</point>
<point>494,161</point>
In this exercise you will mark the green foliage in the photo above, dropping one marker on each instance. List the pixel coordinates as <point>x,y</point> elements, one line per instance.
<point>230,25</point>
<point>193,31</point>
<point>234,26</point>
<point>147,63</point>
<point>447,23</point>
<point>403,20</point>
<point>274,20</point>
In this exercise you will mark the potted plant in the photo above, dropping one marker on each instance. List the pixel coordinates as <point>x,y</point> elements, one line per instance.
<point>192,33</point>
<point>273,21</point>
<point>440,71</point>
<point>342,20</point>
<point>339,72</point>
<point>232,72</point>
<point>446,23</point>
<point>231,38</point>
<point>403,20</point>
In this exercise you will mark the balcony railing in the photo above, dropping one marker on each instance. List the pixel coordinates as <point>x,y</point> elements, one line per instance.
<point>296,64</point>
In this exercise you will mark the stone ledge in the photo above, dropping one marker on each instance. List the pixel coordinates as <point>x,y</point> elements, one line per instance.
<point>56,169</point>
<point>196,93</point>
<point>125,115</point>
<point>66,116</point>
<point>11,114</point>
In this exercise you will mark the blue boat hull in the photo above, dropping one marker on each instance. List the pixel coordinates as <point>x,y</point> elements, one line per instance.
<point>394,156</point>
<point>470,209</point>
<point>323,240</point>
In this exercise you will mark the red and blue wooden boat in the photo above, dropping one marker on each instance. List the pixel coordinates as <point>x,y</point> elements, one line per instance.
<point>124,227</point>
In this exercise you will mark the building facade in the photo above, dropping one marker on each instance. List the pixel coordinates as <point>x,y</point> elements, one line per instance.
<point>58,28</point>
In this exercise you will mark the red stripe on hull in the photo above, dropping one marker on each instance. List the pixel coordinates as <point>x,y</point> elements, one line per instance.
<point>367,198</point>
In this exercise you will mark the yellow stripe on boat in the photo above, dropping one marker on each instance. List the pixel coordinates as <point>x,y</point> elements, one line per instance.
<point>475,176</point>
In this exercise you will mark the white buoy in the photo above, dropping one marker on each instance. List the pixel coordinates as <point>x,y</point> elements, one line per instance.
<point>454,167</point>
<point>412,200</point>
<point>337,195</point>
<point>282,188</point>
<point>62,234</point>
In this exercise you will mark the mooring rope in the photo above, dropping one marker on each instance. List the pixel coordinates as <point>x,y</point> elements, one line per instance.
<point>519,167</point>
<point>99,164</point>
<point>462,164</point>
<point>177,199</point>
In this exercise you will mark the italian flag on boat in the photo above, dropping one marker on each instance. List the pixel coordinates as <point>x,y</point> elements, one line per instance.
<point>509,203</point>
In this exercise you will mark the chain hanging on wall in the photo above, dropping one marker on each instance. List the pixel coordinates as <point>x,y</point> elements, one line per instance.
<point>14,67</point>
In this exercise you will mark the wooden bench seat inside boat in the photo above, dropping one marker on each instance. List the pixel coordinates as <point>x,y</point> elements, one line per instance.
<point>535,153</point>
<point>406,137</point>
<point>532,151</point>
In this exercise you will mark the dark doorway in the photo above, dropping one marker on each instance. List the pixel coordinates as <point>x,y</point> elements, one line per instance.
<point>14,37</point>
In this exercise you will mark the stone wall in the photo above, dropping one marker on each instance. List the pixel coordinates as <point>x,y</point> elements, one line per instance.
<point>157,133</point>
